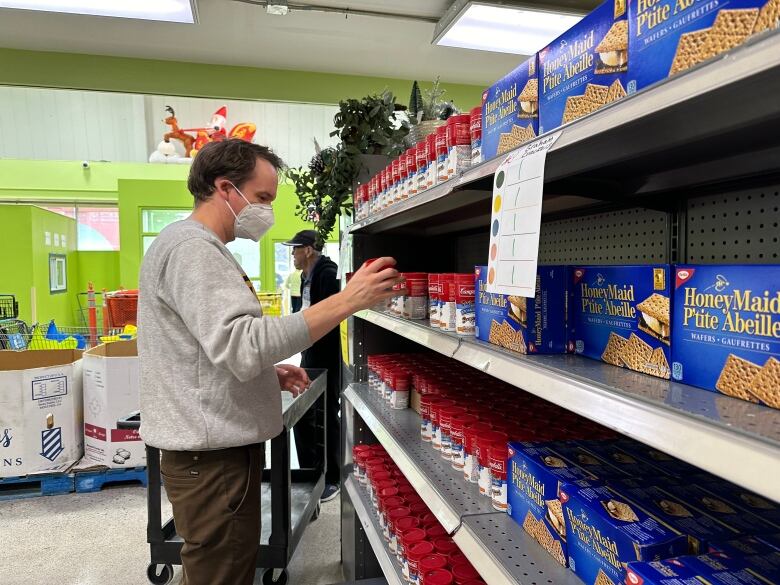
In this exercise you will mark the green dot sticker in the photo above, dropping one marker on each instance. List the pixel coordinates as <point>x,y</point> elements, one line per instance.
<point>500,179</point>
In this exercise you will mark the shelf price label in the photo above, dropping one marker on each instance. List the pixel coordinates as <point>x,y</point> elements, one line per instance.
<point>516,216</point>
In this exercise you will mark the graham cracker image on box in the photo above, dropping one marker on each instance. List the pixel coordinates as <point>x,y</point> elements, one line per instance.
<point>504,335</point>
<point>612,51</point>
<point>603,579</point>
<point>658,365</point>
<point>555,516</point>
<point>730,29</point>
<point>528,100</point>
<point>594,97</point>
<point>612,351</point>
<point>518,309</point>
<point>518,136</point>
<point>551,544</point>
<point>620,511</point>
<point>766,384</point>
<point>736,378</point>
<point>636,354</point>
<point>654,317</point>
<point>674,509</point>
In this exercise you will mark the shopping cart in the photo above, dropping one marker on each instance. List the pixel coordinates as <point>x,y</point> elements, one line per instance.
<point>9,308</point>
<point>290,498</point>
<point>271,303</point>
<point>17,335</point>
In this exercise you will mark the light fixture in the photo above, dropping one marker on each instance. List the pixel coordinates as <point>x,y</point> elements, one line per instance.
<point>502,27</point>
<point>277,7</point>
<point>183,11</point>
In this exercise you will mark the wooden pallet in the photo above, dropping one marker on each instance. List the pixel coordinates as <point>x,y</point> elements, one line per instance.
<point>30,486</point>
<point>94,481</point>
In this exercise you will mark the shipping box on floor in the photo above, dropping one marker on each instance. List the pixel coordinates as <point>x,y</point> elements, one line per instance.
<point>40,411</point>
<point>111,390</point>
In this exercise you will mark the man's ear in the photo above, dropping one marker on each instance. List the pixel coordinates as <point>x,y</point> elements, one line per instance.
<point>222,187</point>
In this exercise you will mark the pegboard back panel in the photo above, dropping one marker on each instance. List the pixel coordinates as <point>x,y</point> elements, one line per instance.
<point>734,228</point>
<point>628,236</point>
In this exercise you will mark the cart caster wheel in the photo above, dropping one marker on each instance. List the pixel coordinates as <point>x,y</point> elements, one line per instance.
<point>159,574</point>
<point>316,513</point>
<point>268,577</point>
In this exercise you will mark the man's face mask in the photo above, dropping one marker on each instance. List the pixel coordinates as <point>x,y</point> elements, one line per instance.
<point>253,221</point>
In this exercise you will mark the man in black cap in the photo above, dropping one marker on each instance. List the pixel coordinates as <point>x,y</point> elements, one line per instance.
<point>319,282</point>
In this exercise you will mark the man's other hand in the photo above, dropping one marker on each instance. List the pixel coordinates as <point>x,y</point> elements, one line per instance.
<point>293,379</point>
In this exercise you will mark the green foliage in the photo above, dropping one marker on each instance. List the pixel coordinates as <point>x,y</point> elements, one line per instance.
<point>415,103</point>
<point>432,101</point>
<point>366,126</point>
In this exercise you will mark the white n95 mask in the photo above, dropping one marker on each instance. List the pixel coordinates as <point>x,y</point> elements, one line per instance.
<point>253,221</point>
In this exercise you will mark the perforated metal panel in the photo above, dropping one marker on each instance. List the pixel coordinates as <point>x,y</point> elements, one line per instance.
<point>629,236</point>
<point>738,227</point>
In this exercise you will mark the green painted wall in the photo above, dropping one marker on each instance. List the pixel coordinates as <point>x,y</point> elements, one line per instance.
<point>135,195</point>
<point>100,268</point>
<point>77,71</point>
<point>16,276</point>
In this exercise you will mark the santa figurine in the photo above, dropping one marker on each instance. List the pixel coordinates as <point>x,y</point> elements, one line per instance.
<point>216,128</point>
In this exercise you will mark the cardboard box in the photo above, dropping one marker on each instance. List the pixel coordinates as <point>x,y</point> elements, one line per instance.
<point>743,546</point>
<point>607,530</point>
<point>722,569</point>
<point>535,476</point>
<point>588,461</point>
<point>667,572</point>
<point>631,466</point>
<point>621,316</point>
<point>525,325</point>
<point>585,68</point>
<point>41,413</point>
<point>510,110</point>
<point>111,392</point>
<point>726,330</point>
<point>668,37</point>
<point>668,504</point>
<point>668,464</point>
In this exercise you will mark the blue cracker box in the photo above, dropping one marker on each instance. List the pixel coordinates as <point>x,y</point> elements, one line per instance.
<point>620,315</point>
<point>668,464</point>
<point>722,569</point>
<point>726,330</point>
<point>510,110</point>
<point>742,498</point>
<point>663,502</point>
<point>535,475</point>
<point>588,461</point>
<point>526,325</point>
<point>666,572</point>
<point>632,466</point>
<point>585,68</point>
<point>670,36</point>
<point>744,546</point>
<point>607,530</point>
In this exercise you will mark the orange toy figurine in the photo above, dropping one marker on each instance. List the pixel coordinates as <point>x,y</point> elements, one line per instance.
<point>215,132</point>
<point>177,133</point>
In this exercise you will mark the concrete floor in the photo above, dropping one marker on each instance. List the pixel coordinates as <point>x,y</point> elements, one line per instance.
<point>100,539</point>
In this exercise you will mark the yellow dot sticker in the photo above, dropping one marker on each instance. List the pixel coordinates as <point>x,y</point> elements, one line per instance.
<point>497,204</point>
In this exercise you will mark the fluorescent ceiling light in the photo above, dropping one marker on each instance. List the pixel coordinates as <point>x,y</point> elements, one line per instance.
<point>501,28</point>
<point>278,8</point>
<point>165,10</point>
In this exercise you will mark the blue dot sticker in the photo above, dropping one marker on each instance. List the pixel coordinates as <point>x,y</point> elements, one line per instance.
<point>495,227</point>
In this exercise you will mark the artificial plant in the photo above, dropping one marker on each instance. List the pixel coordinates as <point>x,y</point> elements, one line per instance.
<point>365,126</point>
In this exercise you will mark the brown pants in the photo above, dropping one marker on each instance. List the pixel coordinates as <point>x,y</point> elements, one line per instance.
<point>216,510</point>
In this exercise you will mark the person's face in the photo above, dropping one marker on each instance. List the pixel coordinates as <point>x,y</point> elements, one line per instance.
<point>301,255</point>
<point>259,188</point>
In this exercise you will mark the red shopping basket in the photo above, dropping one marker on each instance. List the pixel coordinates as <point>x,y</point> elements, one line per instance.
<point>122,308</point>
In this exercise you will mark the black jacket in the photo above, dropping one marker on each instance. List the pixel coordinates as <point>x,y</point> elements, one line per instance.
<point>325,353</point>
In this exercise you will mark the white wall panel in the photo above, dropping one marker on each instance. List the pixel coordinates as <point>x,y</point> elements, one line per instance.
<point>71,125</point>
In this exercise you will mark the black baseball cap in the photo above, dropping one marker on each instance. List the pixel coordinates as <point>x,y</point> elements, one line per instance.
<point>305,238</point>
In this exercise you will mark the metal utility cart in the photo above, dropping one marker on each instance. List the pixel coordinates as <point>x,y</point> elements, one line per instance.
<point>290,497</point>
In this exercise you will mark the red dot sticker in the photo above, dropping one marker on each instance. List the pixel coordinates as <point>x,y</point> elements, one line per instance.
<point>493,251</point>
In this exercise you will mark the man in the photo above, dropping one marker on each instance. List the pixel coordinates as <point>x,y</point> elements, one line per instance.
<point>319,282</point>
<point>293,286</point>
<point>210,392</point>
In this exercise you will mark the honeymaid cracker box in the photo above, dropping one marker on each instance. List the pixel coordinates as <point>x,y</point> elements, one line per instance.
<point>670,36</point>
<point>620,315</point>
<point>742,498</point>
<point>605,531</point>
<point>535,475</point>
<point>713,569</point>
<point>584,68</point>
<point>526,325</point>
<point>510,110</point>
<point>727,330</point>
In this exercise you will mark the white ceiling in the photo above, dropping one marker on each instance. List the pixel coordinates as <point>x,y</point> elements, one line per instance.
<point>234,33</point>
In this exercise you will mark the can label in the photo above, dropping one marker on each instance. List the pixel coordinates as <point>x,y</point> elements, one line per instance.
<point>499,494</point>
<point>446,445</point>
<point>458,461</point>
<point>436,436</point>
<point>447,315</point>
<point>470,467</point>
<point>425,430</point>
<point>485,480</point>
<point>399,399</point>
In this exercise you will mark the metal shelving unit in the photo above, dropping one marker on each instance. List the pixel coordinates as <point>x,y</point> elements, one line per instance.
<point>370,522</point>
<point>496,545</point>
<point>730,438</point>
<point>662,176</point>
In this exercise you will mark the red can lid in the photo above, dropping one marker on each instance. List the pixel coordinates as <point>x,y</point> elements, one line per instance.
<point>444,545</point>
<point>412,536</point>
<point>406,523</point>
<point>387,492</point>
<point>433,562</point>
<point>418,508</point>
<point>437,577</point>
<point>459,119</point>
<point>456,557</point>
<point>419,550</point>
<point>475,582</point>
<point>393,502</point>
<point>435,531</point>
<point>429,520</point>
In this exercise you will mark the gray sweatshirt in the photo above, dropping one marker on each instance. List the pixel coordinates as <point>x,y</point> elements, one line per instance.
<point>206,352</point>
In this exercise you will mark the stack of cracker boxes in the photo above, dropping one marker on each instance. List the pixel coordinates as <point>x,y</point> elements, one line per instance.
<point>619,48</point>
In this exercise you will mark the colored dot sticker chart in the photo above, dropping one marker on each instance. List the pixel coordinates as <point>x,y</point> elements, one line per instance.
<point>516,217</point>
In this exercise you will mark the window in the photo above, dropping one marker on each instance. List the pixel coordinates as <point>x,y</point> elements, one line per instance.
<point>97,226</point>
<point>58,273</point>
